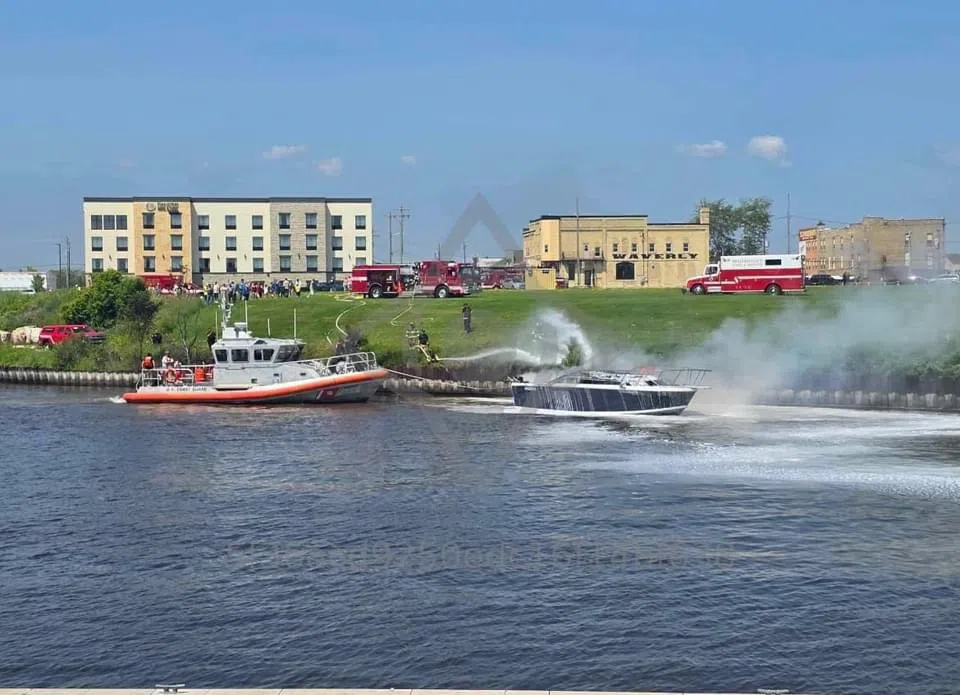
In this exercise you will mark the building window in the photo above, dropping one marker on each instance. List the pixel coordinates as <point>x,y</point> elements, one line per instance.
<point>337,265</point>
<point>311,264</point>
<point>651,247</point>
<point>669,247</point>
<point>284,242</point>
<point>361,260</point>
<point>310,220</point>
<point>336,222</point>
<point>122,244</point>
<point>204,265</point>
<point>96,243</point>
<point>203,222</point>
<point>96,264</point>
<point>122,222</point>
<point>176,264</point>
<point>149,264</point>
<point>256,222</point>
<point>596,252</point>
<point>122,265</point>
<point>625,270</point>
<point>616,247</point>
<point>230,221</point>
<point>284,264</point>
<point>204,243</point>
<point>148,220</point>
<point>149,242</point>
<point>337,243</point>
<point>258,265</point>
<point>96,222</point>
<point>231,265</point>
<point>258,243</point>
<point>633,247</point>
<point>546,248</point>
<point>176,242</point>
<point>311,242</point>
<point>686,246</point>
<point>109,222</point>
<point>361,243</point>
<point>284,220</point>
<point>230,243</point>
<point>586,248</point>
<point>360,222</point>
<point>176,220</point>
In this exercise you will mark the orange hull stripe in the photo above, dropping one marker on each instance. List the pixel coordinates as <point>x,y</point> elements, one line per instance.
<point>254,394</point>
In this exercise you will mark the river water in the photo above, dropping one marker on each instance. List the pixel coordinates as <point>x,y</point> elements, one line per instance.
<point>457,544</point>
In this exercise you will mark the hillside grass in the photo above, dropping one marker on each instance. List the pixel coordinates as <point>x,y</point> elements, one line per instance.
<point>657,322</point>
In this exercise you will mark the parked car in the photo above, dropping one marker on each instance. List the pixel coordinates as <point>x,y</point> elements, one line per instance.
<point>823,279</point>
<point>56,334</point>
<point>946,278</point>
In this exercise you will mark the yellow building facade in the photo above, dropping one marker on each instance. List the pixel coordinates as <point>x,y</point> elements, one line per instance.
<point>614,251</point>
<point>162,237</point>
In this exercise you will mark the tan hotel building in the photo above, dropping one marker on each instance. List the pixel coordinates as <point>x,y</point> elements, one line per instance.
<point>614,251</point>
<point>221,239</point>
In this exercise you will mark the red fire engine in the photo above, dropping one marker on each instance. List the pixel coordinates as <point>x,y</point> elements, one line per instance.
<point>762,273</point>
<point>428,278</point>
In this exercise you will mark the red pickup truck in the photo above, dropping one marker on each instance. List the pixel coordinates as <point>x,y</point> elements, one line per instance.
<point>54,335</point>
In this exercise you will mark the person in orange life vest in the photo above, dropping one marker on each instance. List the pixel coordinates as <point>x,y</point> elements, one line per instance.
<point>147,362</point>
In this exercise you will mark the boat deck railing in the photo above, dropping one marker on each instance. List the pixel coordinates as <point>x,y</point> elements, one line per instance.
<point>682,376</point>
<point>674,376</point>
<point>185,376</point>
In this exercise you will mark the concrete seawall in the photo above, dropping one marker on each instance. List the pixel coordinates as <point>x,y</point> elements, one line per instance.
<point>864,400</point>
<point>169,690</point>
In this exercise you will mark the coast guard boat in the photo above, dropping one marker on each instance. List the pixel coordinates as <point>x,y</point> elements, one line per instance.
<point>252,370</point>
<point>598,393</point>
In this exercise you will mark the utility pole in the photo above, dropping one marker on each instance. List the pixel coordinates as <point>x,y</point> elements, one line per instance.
<point>404,214</point>
<point>59,265</point>
<point>390,234</point>
<point>68,262</point>
<point>576,279</point>
<point>788,224</point>
<point>464,252</point>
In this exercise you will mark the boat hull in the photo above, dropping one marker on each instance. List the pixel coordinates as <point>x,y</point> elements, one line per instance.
<point>580,400</point>
<point>345,388</point>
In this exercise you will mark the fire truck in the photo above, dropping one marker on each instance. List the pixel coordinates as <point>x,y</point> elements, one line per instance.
<point>426,278</point>
<point>772,274</point>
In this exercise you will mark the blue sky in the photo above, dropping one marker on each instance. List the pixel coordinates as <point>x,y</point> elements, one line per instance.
<point>532,104</point>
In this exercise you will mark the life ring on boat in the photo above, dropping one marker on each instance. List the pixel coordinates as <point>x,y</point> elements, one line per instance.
<point>170,375</point>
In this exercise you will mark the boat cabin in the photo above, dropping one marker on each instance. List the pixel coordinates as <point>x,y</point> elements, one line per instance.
<point>238,348</point>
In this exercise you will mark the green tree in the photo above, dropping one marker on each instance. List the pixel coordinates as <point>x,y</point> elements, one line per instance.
<point>38,283</point>
<point>754,216</point>
<point>740,228</point>
<point>106,301</point>
<point>138,313</point>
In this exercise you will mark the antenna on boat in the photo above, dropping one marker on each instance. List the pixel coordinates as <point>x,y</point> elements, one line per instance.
<point>246,312</point>
<point>294,322</point>
<point>268,328</point>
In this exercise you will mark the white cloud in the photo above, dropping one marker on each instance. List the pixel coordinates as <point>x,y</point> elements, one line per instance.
<point>771,147</point>
<point>330,167</point>
<point>127,164</point>
<point>409,159</point>
<point>706,149</point>
<point>281,151</point>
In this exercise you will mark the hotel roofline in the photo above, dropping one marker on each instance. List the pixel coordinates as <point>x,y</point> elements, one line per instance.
<point>610,217</point>
<point>285,199</point>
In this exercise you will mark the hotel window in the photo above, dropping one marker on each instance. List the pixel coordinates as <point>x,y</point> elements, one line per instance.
<point>203,222</point>
<point>258,243</point>
<point>669,247</point>
<point>122,222</point>
<point>310,220</point>
<point>284,220</point>
<point>361,260</point>
<point>336,243</point>
<point>258,265</point>
<point>652,247</point>
<point>230,221</point>
<point>148,220</point>
<point>230,243</point>
<point>360,222</point>
<point>122,265</point>
<point>361,243</point>
<point>337,265</point>
<point>176,242</point>
<point>122,243</point>
<point>231,265</point>
<point>96,264</point>
<point>284,242</point>
<point>311,242</point>
<point>176,220</point>
<point>311,264</point>
<point>109,222</point>
<point>96,243</point>
<point>149,264</point>
<point>176,264</point>
<point>204,243</point>
<point>284,264</point>
<point>336,222</point>
<point>256,222</point>
<point>686,246</point>
<point>204,265</point>
<point>633,247</point>
<point>149,242</point>
<point>96,222</point>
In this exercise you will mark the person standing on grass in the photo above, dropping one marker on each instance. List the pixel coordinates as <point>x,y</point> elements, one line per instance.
<point>467,319</point>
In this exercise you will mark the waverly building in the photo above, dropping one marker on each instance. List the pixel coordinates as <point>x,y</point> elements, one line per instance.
<point>614,251</point>
<point>206,240</point>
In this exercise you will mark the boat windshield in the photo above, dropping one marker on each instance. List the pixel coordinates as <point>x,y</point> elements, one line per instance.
<point>289,353</point>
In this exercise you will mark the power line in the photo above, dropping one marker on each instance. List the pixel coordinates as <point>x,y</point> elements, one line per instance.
<point>402,214</point>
